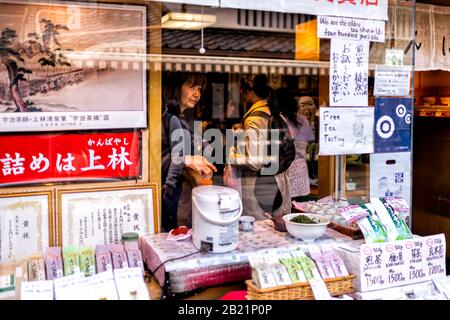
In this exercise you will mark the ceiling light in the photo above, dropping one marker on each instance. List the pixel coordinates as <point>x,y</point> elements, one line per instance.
<point>187,21</point>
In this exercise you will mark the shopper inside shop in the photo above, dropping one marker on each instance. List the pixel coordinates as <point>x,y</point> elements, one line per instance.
<point>302,133</point>
<point>263,196</point>
<point>307,108</point>
<point>182,96</point>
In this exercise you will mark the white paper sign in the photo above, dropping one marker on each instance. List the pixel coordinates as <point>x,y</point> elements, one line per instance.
<point>349,70</point>
<point>390,175</point>
<point>73,287</point>
<point>392,80</point>
<point>319,289</point>
<point>130,284</point>
<point>24,226</point>
<point>101,286</point>
<point>36,290</point>
<point>370,9</point>
<point>393,57</point>
<point>392,264</point>
<point>346,131</point>
<point>351,28</point>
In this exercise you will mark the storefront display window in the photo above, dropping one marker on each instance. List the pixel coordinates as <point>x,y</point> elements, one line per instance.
<point>169,120</point>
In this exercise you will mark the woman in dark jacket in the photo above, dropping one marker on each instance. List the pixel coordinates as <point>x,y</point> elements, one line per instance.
<point>179,161</point>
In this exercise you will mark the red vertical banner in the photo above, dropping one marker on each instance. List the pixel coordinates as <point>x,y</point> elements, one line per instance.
<point>69,157</point>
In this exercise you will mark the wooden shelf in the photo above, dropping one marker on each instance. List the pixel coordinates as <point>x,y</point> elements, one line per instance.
<point>432,111</point>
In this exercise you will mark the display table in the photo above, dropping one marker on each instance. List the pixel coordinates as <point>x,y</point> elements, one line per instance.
<point>198,270</point>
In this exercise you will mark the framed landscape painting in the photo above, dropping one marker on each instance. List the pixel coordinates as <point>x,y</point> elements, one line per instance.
<point>72,66</point>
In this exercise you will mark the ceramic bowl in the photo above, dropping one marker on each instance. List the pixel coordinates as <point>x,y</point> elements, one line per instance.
<point>307,232</point>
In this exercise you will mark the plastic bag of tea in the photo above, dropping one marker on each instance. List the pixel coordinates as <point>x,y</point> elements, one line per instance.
<point>396,228</point>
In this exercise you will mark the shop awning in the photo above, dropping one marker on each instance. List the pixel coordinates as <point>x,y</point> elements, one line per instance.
<point>202,63</point>
<point>199,63</point>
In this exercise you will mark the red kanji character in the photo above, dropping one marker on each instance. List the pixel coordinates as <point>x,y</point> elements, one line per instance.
<point>351,1</point>
<point>370,2</point>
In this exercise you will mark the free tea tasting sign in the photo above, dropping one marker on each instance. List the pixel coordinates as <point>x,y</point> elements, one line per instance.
<point>351,29</point>
<point>346,130</point>
<point>67,157</point>
<point>349,70</point>
<point>398,263</point>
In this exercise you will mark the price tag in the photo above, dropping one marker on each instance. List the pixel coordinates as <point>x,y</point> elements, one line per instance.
<point>37,290</point>
<point>319,289</point>
<point>397,263</point>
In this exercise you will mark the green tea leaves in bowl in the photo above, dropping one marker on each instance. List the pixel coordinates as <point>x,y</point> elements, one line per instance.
<point>303,219</point>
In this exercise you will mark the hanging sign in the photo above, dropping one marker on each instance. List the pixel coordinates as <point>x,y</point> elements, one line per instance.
<point>349,68</point>
<point>393,264</point>
<point>350,28</point>
<point>68,157</point>
<point>368,9</point>
<point>346,131</point>
<point>432,41</point>
<point>392,80</point>
<point>392,125</point>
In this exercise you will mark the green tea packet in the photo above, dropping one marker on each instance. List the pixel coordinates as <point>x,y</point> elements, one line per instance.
<point>294,269</point>
<point>279,270</point>
<point>87,260</point>
<point>371,226</point>
<point>308,266</point>
<point>261,274</point>
<point>324,266</point>
<point>36,268</point>
<point>396,228</point>
<point>71,260</point>
<point>335,261</point>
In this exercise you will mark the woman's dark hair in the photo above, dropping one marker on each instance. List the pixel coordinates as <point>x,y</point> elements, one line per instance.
<point>173,107</point>
<point>285,102</point>
<point>258,84</point>
<point>173,81</point>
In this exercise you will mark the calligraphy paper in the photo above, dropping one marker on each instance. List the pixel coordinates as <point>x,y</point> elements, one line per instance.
<point>349,69</point>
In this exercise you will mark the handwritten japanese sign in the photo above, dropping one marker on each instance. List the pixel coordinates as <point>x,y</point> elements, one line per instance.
<point>392,80</point>
<point>369,9</point>
<point>349,69</point>
<point>24,225</point>
<point>65,157</point>
<point>392,264</point>
<point>350,29</point>
<point>392,125</point>
<point>346,130</point>
<point>101,216</point>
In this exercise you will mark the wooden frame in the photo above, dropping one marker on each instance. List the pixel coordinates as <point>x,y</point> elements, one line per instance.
<point>21,206</point>
<point>72,217</point>
<point>88,81</point>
